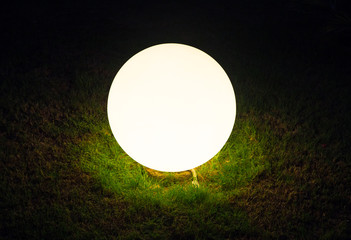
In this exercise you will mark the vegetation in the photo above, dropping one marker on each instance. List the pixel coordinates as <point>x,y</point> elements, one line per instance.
<point>283,174</point>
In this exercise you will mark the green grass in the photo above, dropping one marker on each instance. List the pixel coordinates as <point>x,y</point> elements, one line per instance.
<point>283,174</point>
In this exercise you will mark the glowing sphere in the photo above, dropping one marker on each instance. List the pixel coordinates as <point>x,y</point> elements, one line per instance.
<point>171,107</point>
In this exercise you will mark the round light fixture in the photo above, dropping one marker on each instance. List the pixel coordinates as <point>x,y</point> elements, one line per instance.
<point>171,107</point>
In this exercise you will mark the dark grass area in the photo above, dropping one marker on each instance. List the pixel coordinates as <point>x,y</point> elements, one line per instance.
<point>283,174</point>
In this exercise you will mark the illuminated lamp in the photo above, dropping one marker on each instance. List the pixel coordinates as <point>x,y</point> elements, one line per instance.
<point>171,107</point>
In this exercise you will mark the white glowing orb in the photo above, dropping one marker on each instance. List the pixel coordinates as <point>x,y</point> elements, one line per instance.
<point>171,107</point>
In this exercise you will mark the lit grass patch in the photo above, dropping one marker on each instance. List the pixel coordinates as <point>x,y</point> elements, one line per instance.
<point>189,210</point>
<point>240,160</point>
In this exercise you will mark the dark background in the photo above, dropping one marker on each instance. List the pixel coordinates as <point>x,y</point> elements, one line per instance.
<point>218,28</point>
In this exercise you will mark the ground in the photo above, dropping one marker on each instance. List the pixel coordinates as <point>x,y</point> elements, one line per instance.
<point>283,174</point>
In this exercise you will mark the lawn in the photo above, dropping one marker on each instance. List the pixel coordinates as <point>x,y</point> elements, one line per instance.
<point>284,173</point>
